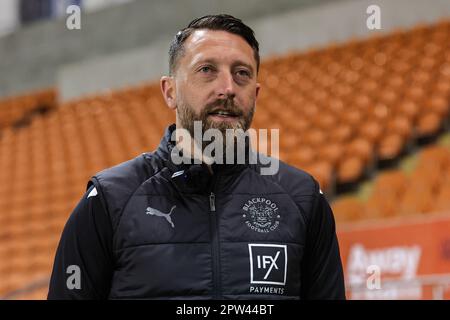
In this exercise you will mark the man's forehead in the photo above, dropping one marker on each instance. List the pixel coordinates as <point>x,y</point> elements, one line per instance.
<point>203,40</point>
<point>203,36</point>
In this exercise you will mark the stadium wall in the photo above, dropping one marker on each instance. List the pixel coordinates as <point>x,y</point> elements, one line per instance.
<point>31,56</point>
<point>296,29</point>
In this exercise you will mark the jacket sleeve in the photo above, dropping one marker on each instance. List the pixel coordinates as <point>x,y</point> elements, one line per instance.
<point>322,274</point>
<point>83,264</point>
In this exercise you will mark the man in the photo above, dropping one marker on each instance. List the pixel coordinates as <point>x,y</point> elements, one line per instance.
<point>156,228</point>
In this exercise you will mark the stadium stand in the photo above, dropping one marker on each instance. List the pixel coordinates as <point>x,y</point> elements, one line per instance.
<point>422,189</point>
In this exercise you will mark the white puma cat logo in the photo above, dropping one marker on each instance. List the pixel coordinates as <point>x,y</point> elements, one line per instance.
<point>158,213</point>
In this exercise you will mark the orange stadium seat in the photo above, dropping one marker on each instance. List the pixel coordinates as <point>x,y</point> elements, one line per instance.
<point>350,169</point>
<point>347,209</point>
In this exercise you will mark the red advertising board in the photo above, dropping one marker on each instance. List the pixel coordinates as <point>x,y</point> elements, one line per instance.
<point>397,258</point>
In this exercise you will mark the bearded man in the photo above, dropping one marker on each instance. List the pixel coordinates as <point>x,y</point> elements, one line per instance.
<point>156,228</point>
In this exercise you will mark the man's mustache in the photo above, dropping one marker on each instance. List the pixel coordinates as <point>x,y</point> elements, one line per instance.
<point>223,105</point>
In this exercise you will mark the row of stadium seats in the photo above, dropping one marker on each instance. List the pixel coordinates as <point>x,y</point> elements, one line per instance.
<point>16,111</point>
<point>349,105</point>
<point>424,189</point>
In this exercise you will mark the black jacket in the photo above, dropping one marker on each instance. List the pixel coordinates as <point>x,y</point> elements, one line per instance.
<point>148,228</point>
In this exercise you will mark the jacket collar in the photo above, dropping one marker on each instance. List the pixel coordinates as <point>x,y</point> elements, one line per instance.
<point>192,176</point>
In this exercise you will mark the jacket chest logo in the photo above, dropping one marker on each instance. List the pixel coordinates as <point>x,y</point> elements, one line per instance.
<point>156,212</point>
<point>261,215</point>
<point>268,268</point>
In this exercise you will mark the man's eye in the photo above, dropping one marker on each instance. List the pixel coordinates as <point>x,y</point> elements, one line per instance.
<point>205,69</point>
<point>243,73</point>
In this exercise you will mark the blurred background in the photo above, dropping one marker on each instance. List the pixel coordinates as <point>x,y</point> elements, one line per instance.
<point>365,110</point>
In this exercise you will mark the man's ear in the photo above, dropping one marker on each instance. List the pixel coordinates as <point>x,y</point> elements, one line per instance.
<point>258,87</point>
<point>167,85</point>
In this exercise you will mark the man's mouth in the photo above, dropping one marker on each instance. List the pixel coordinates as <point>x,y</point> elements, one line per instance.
<point>223,114</point>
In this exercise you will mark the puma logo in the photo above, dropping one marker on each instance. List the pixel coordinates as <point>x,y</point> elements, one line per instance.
<point>155,212</point>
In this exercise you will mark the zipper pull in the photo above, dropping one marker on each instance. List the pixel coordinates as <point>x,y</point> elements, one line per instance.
<point>212,201</point>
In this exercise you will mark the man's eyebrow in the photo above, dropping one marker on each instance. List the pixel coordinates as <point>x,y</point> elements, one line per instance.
<point>207,60</point>
<point>214,61</point>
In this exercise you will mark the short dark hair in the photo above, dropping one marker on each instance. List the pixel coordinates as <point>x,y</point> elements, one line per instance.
<point>222,22</point>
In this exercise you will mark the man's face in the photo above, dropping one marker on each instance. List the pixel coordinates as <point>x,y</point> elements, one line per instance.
<point>215,82</point>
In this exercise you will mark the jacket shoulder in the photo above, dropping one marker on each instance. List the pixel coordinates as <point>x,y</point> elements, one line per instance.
<point>118,183</point>
<point>298,184</point>
<point>294,181</point>
<point>297,181</point>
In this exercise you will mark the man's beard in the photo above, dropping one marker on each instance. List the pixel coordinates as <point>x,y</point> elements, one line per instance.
<point>187,116</point>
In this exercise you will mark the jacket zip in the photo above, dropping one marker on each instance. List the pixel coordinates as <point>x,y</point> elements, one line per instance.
<point>212,202</point>
<point>214,229</point>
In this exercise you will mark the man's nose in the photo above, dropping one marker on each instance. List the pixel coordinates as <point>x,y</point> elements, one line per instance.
<point>226,86</point>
